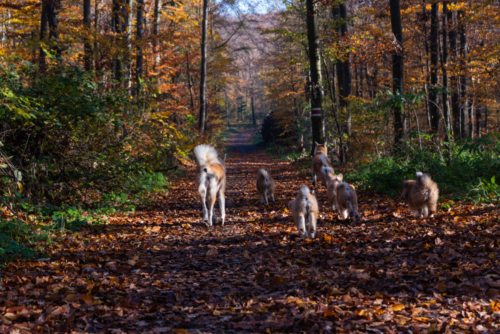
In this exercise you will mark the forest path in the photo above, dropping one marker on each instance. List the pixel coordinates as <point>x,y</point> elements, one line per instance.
<point>162,271</point>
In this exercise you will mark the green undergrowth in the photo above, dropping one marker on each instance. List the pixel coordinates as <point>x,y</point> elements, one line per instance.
<point>468,170</point>
<point>27,228</point>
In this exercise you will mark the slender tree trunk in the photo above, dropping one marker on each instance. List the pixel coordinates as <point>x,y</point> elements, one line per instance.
<point>96,30</point>
<point>318,129</point>
<point>471,115</point>
<point>485,120</point>
<point>444,63</point>
<point>227,108</point>
<point>455,83</point>
<point>128,17</point>
<point>433,103</point>
<point>156,33</point>
<point>203,68</point>
<point>43,34</point>
<point>344,72</point>
<point>52,8</point>
<point>87,46</point>
<point>253,108</point>
<point>397,71</point>
<point>117,28</point>
<point>427,66</point>
<point>478,122</point>
<point>463,80</point>
<point>140,35</point>
<point>356,73</point>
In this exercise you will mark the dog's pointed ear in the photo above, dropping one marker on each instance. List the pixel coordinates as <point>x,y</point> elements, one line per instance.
<point>316,143</point>
<point>340,177</point>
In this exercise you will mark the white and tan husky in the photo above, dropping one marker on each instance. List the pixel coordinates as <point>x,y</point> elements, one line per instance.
<point>210,181</point>
<point>265,186</point>
<point>320,161</point>
<point>304,210</point>
<point>342,196</point>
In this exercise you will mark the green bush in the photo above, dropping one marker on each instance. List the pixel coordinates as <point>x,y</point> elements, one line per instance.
<point>466,169</point>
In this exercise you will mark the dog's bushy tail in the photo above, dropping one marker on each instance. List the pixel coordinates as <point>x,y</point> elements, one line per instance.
<point>424,179</point>
<point>206,155</point>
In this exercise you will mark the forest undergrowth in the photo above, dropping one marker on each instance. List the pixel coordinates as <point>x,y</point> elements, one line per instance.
<point>160,270</point>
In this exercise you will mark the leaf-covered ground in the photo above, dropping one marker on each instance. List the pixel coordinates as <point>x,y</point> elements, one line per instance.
<point>162,271</point>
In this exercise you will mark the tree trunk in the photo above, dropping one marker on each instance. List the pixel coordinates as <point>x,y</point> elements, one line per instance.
<point>96,30</point>
<point>478,122</point>
<point>128,17</point>
<point>455,84</point>
<point>117,28</point>
<point>52,8</point>
<point>485,120</point>
<point>344,72</point>
<point>253,108</point>
<point>156,33</point>
<point>43,34</point>
<point>433,103</point>
<point>140,34</point>
<point>203,68</point>
<point>463,80</point>
<point>397,71</point>
<point>87,47</point>
<point>318,129</point>
<point>444,63</point>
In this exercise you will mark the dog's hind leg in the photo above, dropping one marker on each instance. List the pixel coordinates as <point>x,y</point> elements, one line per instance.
<point>212,196</point>
<point>266,195</point>
<point>302,226</point>
<point>222,204</point>
<point>202,190</point>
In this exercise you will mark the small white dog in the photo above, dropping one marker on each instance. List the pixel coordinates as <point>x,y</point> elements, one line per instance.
<point>211,180</point>
<point>304,210</point>
<point>265,186</point>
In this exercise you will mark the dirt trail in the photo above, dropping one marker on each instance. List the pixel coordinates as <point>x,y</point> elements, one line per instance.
<point>163,271</point>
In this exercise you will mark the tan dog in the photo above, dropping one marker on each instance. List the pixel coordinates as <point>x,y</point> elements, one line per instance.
<point>421,195</point>
<point>304,210</point>
<point>342,197</point>
<point>265,185</point>
<point>320,160</point>
<point>211,180</point>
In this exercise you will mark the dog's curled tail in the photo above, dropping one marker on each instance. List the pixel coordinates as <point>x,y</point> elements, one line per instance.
<point>424,179</point>
<point>206,155</point>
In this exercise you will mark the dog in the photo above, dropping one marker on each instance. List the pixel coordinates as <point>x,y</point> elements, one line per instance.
<point>421,195</point>
<point>320,160</point>
<point>342,197</point>
<point>210,181</point>
<point>304,209</point>
<point>265,185</point>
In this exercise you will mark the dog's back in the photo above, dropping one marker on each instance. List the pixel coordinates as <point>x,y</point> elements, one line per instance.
<point>333,181</point>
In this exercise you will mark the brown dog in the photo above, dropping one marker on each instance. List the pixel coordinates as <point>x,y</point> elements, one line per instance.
<point>342,197</point>
<point>304,210</point>
<point>211,180</point>
<point>421,195</point>
<point>265,185</point>
<point>320,160</point>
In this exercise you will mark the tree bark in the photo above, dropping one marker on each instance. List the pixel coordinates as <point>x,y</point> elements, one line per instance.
<point>344,72</point>
<point>454,80</point>
<point>43,34</point>
<point>96,30</point>
<point>444,64</point>
<point>156,33</point>
<point>253,108</point>
<point>140,35</point>
<point>434,43</point>
<point>203,68</point>
<point>464,112</point>
<point>128,17</point>
<point>318,129</point>
<point>52,8</point>
<point>397,71</point>
<point>87,47</point>
<point>117,28</point>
